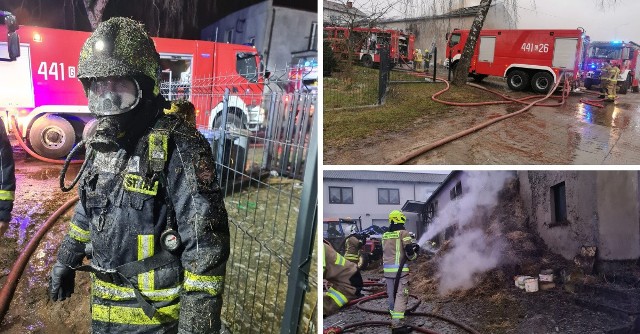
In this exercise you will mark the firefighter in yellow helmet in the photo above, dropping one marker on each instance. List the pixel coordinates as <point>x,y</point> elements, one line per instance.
<point>398,246</point>
<point>342,280</point>
<point>352,245</point>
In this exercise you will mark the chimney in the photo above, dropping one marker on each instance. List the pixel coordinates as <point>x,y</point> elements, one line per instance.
<point>349,4</point>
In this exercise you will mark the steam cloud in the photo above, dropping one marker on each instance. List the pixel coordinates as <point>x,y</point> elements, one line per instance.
<point>471,251</point>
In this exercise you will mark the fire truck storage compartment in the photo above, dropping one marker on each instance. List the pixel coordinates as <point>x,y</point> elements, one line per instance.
<point>487,48</point>
<point>564,53</point>
<point>176,75</point>
<point>16,88</point>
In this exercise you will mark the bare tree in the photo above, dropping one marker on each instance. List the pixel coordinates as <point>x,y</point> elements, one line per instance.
<point>95,9</point>
<point>462,69</point>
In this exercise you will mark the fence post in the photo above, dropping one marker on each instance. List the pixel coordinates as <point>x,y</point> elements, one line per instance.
<point>383,79</point>
<point>223,136</point>
<point>435,61</point>
<point>303,244</point>
<point>266,155</point>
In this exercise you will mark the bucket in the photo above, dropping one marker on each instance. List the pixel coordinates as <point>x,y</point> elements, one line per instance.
<point>546,277</point>
<point>531,285</point>
<point>519,281</point>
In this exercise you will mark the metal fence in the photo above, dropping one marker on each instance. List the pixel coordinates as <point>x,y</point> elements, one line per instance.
<point>268,171</point>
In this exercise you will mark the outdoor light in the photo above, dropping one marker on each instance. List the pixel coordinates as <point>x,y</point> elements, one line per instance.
<point>37,37</point>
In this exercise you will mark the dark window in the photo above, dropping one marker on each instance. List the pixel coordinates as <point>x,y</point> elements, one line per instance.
<point>247,66</point>
<point>456,191</point>
<point>388,196</point>
<point>455,39</point>
<point>432,209</point>
<point>313,36</point>
<point>559,204</point>
<point>229,36</point>
<point>340,195</point>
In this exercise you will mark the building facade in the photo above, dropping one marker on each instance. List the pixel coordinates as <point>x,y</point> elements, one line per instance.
<point>279,33</point>
<point>371,195</point>
<point>340,14</point>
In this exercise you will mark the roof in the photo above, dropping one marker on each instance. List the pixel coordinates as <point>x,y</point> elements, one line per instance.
<point>365,175</point>
<point>413,206</point>
<point>338,7</point>
<point>442,185</point>
<point>462,12</point>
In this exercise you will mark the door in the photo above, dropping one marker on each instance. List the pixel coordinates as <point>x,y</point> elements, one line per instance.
<point>16,86</point>
<point>564,53</point>
<point>487,49</point>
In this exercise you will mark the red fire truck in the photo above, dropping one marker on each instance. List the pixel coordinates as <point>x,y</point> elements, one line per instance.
<point>625,55</point>
<point>535,58</point>
<point>369,41</point>
<point>40,87</point>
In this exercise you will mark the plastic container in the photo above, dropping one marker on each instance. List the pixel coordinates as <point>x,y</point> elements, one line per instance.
<point>531,285</point>
<point>519,281</point>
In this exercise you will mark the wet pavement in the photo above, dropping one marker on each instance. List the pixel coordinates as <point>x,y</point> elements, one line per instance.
<point>575,133</point>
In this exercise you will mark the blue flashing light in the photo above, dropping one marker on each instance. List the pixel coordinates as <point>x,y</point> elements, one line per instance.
<point>593,65</point>
<point>617,42</point>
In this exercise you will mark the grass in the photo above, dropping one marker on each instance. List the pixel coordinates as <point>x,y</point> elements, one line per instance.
<point>405,103</point>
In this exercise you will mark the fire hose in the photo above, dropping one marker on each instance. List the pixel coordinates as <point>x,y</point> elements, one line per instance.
<point>9,288</point>
<point>34,154</point>
<point>426,148</point>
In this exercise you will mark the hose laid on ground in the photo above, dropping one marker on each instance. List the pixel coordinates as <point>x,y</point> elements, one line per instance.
<point>385,323</point>
<point>34,154</point>
<point>426,148</point>
<point>9,288</point>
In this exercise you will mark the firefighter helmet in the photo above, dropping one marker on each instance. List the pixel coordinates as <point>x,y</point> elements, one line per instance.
<point>397,217</point>
<point>119,47</point>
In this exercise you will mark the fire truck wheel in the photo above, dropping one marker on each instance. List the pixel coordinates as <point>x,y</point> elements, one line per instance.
<point>541,82</point>
<point>624,87</point>
<point>588,82</point>
<point>518,80</point>
<point>363,261</point>
<point>367,61</point>
<point>52,136</point>
<point>233,121</point>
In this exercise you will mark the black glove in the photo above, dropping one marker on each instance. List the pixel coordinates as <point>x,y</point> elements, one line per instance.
<point>356,281</point>
<point>416,248</point>
<point>411,249</point>
<point>61,282</point>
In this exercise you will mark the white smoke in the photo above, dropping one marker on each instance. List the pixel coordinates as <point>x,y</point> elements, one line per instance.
<point>471,251</point>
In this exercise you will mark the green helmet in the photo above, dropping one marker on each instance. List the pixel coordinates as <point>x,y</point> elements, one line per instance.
<point>397,217</point>
<point>119,47</point>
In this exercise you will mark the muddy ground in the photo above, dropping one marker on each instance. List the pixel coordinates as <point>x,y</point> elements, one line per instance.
<point>575,133</point>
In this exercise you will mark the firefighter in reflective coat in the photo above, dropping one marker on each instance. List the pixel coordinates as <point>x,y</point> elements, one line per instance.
<point>7,179</point>
<point>150,205</point>
<point>343,280</point>
<point>352,245</point>
<point>397,246</point>
<point>612,83</point>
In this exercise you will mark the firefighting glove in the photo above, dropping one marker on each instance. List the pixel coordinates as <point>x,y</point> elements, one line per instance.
<point>411,249</point>
<point>61,282</point>
<point>356,282</point>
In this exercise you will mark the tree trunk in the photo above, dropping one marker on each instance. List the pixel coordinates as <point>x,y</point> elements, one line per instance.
<point>95,9</point>
<point>462,69</point>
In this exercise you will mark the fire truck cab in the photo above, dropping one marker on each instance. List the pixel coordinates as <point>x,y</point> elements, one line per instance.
<point>625,55</point>
<point>526,58</point>
<point>40,88</point>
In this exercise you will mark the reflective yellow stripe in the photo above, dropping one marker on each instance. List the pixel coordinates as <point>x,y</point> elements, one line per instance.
<point>137,184</point>
<point>391,235</point>
<point>104,290</point>
<point>406,239</point>
<point>397,315</point>
<point>340,260</point>
<point>395,270</point>
<point>7,195</point>
<point>145,250</point>
<point>134,315</point>
<point>337,297</point>
<point>212,285</point>
<point>352,257</point>
<point>75,232</point>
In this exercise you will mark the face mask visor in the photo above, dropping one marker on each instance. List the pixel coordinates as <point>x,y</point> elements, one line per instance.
<point>113,96</point>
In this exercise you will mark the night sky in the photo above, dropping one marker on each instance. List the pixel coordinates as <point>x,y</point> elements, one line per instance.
<point>71,14</point>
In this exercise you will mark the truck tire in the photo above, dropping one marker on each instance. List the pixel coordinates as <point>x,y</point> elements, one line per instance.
<point>624,87</point>
<point>233,121</point>
<point>588,82</point>
<point>518,80</point>
<point>542,82</point>
<point>367,61</point>
<point>363,261</point>
<point>478,77</point>
<point>52,136</point>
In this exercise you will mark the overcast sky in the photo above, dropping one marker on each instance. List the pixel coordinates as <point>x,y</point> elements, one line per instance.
<point>621,22</point>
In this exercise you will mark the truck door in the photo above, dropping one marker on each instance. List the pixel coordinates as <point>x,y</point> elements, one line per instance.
<point>16,88</point>
<point>487,49</point>
<point>175,82</point>
<point>564,53</point>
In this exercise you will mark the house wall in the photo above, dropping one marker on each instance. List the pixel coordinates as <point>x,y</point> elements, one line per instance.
<point>365,200</point>
<point>433,31</point>
<point>602,210</point>
<point>444,197</point>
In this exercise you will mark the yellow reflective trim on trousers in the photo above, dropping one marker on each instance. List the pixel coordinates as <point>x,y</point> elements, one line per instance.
<point>396,315</point>
<point>340,260</point>
<point>337,297</point>
<point>395,270</point>
<point>134,315</point>
<point>212,285</point>
<point>105,290</point>
<point>145,250</point>
<point>77,233</point>
<point>7,195</point>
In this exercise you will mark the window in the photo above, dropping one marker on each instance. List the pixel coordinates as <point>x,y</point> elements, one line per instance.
<point>558,205</point>
<point>228,36</point>
<point>455,39</point>
<point>340,195</point>
<point>246,65</point>
<point>313,37</point>
<point>388,196</point>
<point>456,191</point>
<point>432,209</point>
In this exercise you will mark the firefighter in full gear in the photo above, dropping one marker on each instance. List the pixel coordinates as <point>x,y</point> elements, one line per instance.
<point>352,245</point>
<point>342,280</point>
<point>150,205</point>
<point>612,84</point>
<point>398,246</point>
<point>604,80</point>
<point>7,180</point>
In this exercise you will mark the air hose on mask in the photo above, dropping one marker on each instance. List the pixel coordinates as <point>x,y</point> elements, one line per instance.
<point>65,167</point>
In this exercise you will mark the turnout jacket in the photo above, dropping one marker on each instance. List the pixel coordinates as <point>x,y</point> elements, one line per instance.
<point>337,271</point>
<point>352,249</point>
<point>7,175</point>
<point>123,212</point>
<point>393,244</point>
